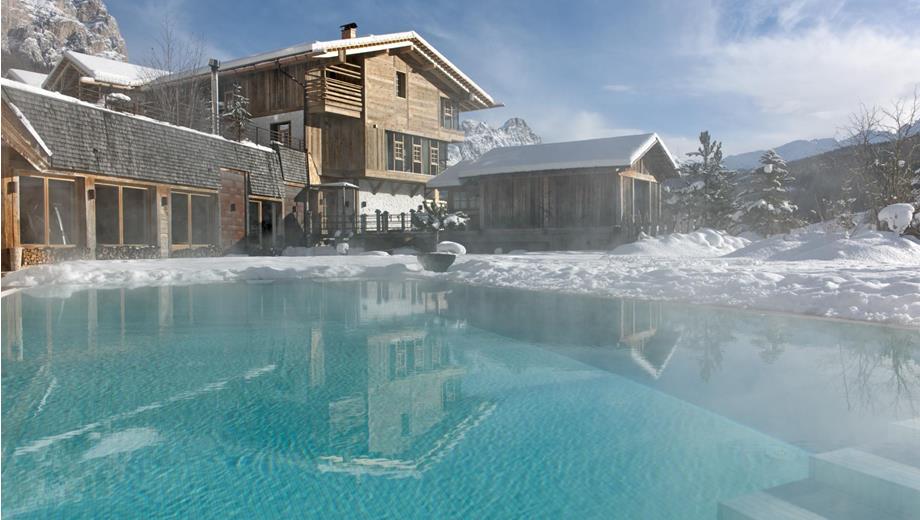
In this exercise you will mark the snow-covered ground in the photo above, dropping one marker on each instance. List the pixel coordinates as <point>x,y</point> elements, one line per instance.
<point>871,276</point>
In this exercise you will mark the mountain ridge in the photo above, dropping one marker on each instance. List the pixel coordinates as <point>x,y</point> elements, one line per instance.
<point>480,137</point>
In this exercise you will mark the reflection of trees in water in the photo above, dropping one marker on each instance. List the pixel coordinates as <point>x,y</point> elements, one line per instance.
<point>705,333</point>
<point>771,342</point>
<point>871,368</point>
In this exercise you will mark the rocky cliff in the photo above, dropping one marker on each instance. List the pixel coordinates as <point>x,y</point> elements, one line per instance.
<point>36,32</point>
<point>480,138</point>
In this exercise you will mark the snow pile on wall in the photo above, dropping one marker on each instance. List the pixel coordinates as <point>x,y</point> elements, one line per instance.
<point>897,216</point>
<point>701,243</point>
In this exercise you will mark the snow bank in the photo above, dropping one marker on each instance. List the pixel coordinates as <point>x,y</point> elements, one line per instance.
<point>451,247</point>
<point>868,246</point>
<point>897,216</point>
<point>870,276</point>
<point>701,243</point>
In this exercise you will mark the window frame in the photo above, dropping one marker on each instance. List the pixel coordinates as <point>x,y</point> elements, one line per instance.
<point>450,114</point>
<point>212,201</point>
<point>434,160</point>
<point>261,240</point>
<point>402,85</point>
<point>46,212</point>
<point>120,214</point>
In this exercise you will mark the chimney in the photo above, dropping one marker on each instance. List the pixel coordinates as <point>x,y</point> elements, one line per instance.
<point>349,30</point>
<point>215,114</point>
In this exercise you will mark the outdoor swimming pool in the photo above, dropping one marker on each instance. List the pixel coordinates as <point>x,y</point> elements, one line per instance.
<point>409,399</point>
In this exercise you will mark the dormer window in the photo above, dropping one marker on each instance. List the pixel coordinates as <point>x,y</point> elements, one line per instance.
<point>401,84</point>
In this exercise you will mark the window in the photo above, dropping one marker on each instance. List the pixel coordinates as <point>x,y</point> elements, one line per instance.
<point>427,155</point>
<point>416,155</point>
<point>399,148</point>
<point>281,132</point>
<point>401,84</point>
<point>122,215</point>
<point>450,114</point>
<point>47,211</point>
<point>464,200</point>
<point>434,161</point>
<point>193,219</point>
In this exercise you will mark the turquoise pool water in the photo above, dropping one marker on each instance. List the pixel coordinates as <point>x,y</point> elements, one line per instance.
<point>416,400</point>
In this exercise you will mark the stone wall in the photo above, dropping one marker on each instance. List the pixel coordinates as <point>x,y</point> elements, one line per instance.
<point>393,197</point>
<point>196,252</point>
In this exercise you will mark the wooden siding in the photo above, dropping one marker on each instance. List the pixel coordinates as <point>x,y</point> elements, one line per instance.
<point>417,114</point>
<point>557,200</point>
<point>269,90</point>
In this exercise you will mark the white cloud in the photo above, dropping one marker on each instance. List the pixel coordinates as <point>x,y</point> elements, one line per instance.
<point>806,83</point>
<point>572,125</point>
<point>615,87</point>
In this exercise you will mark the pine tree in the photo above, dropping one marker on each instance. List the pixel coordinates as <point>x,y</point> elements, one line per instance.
<point>709,190</point>
<point>237,112</point>
<point>765,208</point>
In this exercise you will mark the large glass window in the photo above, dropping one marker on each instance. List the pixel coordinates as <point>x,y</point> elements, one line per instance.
<point>107,214</point>
<point>122,215</point>
<point>135,215</point>
<point>180,218</point>
<point>31,210</point>
<point>202,220</point>
<point>47,211</point>
<point>62,203</point>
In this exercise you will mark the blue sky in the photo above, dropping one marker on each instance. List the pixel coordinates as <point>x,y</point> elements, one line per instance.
<point>755,73</point>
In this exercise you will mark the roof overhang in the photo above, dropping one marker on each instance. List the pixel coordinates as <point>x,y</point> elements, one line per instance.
<point>19,134</point>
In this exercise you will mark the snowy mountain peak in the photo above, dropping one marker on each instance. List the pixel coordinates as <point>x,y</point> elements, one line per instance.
<point>480,138</point>
<point>37,32</point>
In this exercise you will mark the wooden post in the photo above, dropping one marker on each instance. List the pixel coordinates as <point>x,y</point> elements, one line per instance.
<point>163,220</point>
<point>89,215</point>
<point>546,203</point>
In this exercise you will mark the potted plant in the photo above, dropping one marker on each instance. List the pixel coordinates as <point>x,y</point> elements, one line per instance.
<point>435,217</point>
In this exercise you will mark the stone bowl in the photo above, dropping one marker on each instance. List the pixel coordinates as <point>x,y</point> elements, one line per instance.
<point>437,262</point>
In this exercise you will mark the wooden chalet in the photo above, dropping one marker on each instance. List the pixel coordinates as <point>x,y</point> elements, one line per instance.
<point>375,112</point>
<point>576,195</point>
<point>81,181</point>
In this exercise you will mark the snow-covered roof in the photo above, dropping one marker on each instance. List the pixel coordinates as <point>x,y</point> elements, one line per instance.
<point>28,77</point>
<point>619,151</point>
<point>364,44</point>
<point>81,136</point>
<point>104,70</point>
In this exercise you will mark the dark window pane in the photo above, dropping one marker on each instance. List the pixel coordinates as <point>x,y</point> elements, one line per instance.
<point>255,229</point>
<point>106,214</point>
<point>179,218</point>
<point>62,225</point>
<point>401,84</point>
<point>201,220</point>
<point>136,215</point>
<point>31,210</point>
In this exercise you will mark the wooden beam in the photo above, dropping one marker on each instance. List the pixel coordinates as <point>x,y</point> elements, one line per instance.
<point>375,186</point>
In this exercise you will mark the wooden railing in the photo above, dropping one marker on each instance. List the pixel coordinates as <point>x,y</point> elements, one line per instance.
<point>336,88</point>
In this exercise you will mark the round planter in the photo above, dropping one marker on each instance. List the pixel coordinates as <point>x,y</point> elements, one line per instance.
<point>437,262</point>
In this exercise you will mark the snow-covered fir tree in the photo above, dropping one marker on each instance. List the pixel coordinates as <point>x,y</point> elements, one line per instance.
<point>765,206</point>
<point>708,191</point>
<point>236,113</point>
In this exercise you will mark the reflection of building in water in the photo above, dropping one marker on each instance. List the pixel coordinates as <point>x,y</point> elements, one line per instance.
<point>361,378</point>
<point>586,328</point>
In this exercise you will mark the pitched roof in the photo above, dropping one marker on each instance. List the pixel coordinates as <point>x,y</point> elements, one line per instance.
<point>363,44</point>
<point>88,138</point>
<point>619,151</point>
<point>26,76</point>
<point>104,70</point>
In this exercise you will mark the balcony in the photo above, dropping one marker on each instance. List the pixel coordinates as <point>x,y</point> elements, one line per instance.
<point>336,89</point>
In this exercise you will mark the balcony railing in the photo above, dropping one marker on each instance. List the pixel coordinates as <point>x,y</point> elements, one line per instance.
<point>336,88</point>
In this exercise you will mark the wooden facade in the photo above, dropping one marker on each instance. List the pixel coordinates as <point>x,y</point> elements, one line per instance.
<point>562,207</point>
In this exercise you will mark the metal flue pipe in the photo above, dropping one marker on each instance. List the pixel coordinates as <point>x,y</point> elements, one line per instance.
<point>215,115</point>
